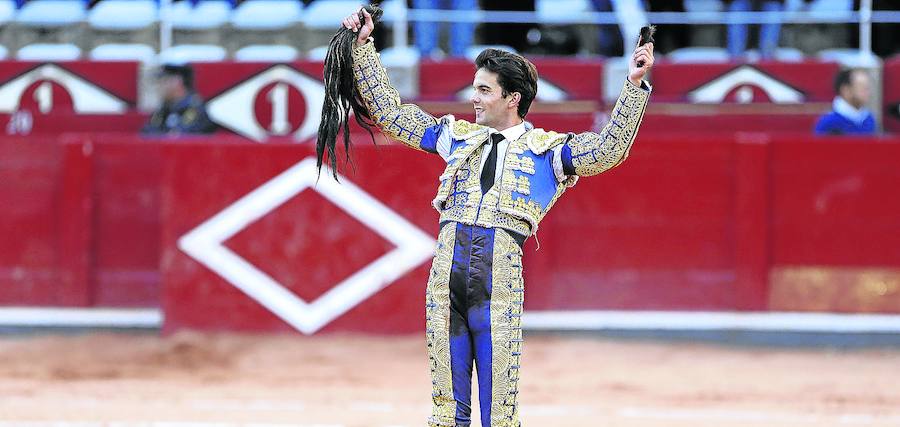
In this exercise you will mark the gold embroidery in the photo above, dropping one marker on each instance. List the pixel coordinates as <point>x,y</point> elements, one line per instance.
<point>507,298</point>
<point>405,123</point>
<point>449,179</point>
<point>522,163</point>
<point>437,329</point>
<point>462,129</point>
<point>519,184</point>
<point>594,153</point>
<point>540,142</point>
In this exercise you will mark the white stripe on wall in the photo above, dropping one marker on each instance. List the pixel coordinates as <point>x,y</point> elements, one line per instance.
<point>81,317</point>
<point>710,321</point>
<point>590,320</point>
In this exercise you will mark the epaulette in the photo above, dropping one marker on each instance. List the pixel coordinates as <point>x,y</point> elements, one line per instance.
<point>539,140</point>
<point>461,129</point>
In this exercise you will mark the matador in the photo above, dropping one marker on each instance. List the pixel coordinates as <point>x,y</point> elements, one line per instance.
<point>502,177</point>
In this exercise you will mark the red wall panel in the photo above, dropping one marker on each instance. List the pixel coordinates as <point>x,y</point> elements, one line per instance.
<point>307,244</point>
<point>126,247</point>
<point>835,202</point>
<point>722,223</point>
<point>812,81</point>
<point>656,232</point>
<point>44,251</point>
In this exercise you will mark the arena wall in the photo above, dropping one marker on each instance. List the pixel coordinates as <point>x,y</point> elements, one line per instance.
<point>728,207</point>
<point>687,223</point>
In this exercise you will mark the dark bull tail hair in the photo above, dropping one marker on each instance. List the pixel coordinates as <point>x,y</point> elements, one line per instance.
<point>341,95</point>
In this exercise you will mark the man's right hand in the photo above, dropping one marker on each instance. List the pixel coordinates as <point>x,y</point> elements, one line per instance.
<point>364,29</point>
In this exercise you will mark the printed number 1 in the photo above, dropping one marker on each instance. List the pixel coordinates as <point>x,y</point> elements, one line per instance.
<point>278,96</point>
<point>43,95</point>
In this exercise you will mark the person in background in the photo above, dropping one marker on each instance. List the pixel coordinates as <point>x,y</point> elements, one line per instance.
<point>670,36</point>
<point>610,39</point>
<point>427,33</point>
<point>768,33</point>
<point>182,111</point>
<point>849,115</point>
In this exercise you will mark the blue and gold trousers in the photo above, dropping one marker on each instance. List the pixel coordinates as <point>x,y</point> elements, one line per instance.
<point>473,314</point>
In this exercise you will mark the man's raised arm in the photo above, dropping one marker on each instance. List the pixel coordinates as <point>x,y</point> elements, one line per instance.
<point>589,153</point>
<point>406,123</point>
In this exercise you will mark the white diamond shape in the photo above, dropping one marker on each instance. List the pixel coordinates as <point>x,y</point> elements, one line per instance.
<point>87,98</point>
<point>205,243</point>
<point>234,108</point>
<point>714,91</point>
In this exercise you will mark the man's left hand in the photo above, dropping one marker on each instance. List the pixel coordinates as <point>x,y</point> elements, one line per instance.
<point>641,53</point>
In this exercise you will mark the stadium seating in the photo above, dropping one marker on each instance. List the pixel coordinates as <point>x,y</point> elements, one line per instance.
<point>278,30</point>
<point>193,53</point>
<point>783,54</point>
<point>323,17</point>
<point>268,15</point>
<point>204,15</point>
<point>266,22</point>
<point>123,15</point>
<point>49,52</point>
<point>849,57</point>
<point>7,11</point>
<point>266,53</point>
<point>48,21</point>
<point>51,13</point>
<point>124,52</point>
<point>123,21</point>
<point>699,54</point>
<point>317,53</point>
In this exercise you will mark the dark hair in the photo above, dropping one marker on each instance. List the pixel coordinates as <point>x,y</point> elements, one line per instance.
<point>843,78</point>
<point>183,71</point>
<point>514,73</point>
<point>342,95</point>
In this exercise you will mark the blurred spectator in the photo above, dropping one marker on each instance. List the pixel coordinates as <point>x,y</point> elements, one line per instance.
<point>670,36</point>
<point>611,43</point>
<point>427,33</point>
<point>812,38</point>
<point>182,110</point>
<point>514,35</point>
<point>849,115</point>
<point>768,33</point>
<point>885,35</point>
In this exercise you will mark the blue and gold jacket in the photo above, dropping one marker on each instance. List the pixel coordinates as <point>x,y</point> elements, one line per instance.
<point>538,166</point>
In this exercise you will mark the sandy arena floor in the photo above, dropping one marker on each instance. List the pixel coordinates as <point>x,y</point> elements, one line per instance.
<point>192,380</point>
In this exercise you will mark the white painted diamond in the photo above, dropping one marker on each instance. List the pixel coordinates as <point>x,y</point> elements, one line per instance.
<point>87,97</point>
<point>715,91</point>
<point>205,243</point>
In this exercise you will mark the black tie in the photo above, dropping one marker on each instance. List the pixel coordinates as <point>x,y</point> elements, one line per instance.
<point>490,167</point>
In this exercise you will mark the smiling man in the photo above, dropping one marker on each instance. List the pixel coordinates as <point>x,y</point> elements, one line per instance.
<point>502,177</point>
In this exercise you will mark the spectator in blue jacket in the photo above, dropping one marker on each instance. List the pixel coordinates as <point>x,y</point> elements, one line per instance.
<point>461,33</point>
<point>769,33</point>
<point>849,115</point>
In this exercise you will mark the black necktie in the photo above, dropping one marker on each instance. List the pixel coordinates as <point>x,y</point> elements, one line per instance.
<point>487,173</point>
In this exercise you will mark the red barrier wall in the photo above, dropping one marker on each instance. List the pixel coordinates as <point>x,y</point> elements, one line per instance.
<point>46,222</point>
<point>715,223</point>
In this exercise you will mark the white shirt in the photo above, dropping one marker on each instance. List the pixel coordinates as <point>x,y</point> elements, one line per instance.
<point>853,114</point>
<point>510,134</point>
